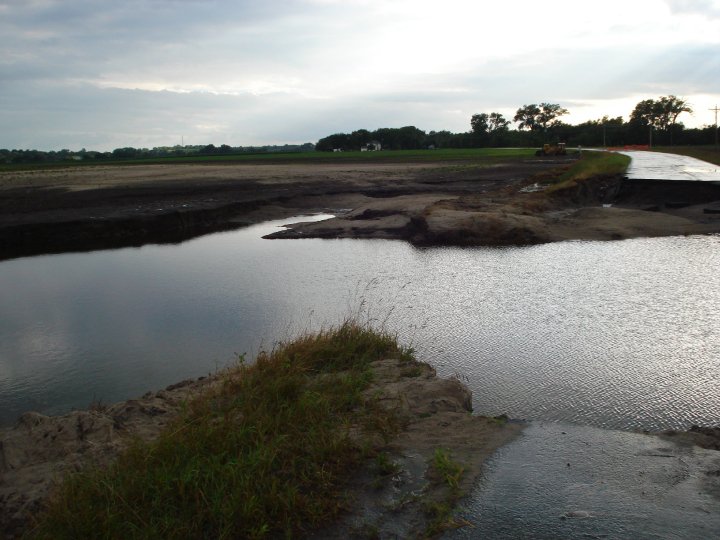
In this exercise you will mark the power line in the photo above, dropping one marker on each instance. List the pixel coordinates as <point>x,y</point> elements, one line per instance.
<point>716,125</point>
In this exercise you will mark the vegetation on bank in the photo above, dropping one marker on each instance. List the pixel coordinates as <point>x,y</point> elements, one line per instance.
<point>589,165</point>
<point>267,452</point>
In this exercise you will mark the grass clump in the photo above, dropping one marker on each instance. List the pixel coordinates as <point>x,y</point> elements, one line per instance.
<point>440,511</point>
<point>589,165</point>
<point>265,453</point>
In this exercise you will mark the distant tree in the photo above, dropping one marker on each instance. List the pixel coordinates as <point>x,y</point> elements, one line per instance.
<point>332,142</point>
<point>497,123</point>
<point>661,114</point>
<point>549,114</point>
<point>487,129</point>
<point>441,139</point>
<point>480,123</point>
<point>526,117</point>
<point>360,138</point>
<point>127,152</point>
<point>539,118</point>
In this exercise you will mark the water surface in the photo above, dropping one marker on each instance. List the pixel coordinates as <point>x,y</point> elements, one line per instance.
<point>613,334</point>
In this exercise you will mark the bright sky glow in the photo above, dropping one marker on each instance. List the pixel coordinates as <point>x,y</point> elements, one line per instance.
<point>102,74</point>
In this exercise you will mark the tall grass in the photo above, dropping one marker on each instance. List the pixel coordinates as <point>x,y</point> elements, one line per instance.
<point>266,453</point>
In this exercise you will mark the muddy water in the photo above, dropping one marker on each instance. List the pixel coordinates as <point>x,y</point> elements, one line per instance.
<point>617,334</point>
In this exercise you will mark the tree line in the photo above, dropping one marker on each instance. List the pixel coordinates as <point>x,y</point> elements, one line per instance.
<point>53,156</point>
<point>652,121</point>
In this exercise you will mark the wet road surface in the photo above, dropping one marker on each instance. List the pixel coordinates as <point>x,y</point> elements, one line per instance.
<point>566,481</point>
<point>661,166</point>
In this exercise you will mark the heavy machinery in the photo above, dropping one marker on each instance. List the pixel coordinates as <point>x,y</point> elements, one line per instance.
<point>552,150</point>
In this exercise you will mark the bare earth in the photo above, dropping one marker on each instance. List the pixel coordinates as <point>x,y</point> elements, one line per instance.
<point>460,203</point>
<point>435,413</point>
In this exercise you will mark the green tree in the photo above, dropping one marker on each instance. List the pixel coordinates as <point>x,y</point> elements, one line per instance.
<point>497,123</point>
<point>539,118</point>
<point>661,114</point>
<point>479,123</point>
<point>526,117</point>
<point>549,114</point>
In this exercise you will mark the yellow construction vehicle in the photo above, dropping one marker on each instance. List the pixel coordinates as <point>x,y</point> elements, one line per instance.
<point>552,150</point>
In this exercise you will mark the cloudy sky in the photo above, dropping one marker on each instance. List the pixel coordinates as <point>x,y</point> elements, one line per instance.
<point>102,74</point>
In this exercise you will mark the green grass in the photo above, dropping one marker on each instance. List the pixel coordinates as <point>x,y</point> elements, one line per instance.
<point>589,165</point>
<point>267,453</point>
<point>394,156</point>
<point>450,471</point>
<point>440,512</point>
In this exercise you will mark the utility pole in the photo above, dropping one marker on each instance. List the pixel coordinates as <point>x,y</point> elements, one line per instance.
<point>716,126</point>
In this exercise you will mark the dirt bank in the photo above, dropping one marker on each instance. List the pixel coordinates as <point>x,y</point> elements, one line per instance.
<point>435,414</point>
<point>600,208</point>
<point>85,208</point>
<point>459,203</point>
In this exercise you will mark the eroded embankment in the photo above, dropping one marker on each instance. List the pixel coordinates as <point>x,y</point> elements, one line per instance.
<point>116,206</point>
<point>602,207</point>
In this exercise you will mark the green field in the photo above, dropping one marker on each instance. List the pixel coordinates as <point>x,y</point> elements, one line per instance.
<point>389,156</point>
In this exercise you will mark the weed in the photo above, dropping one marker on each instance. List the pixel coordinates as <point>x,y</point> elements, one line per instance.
<point>450,471</point>
<point>385,465</point>
<point>441,518</point>
<point>500,420</point>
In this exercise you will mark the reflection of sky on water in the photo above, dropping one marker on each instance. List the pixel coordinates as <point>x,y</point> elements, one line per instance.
<point>621,334</point>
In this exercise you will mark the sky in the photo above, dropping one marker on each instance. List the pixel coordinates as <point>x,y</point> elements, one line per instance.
<point>104,74</point>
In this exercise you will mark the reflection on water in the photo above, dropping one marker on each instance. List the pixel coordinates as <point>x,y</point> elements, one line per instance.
<point>617,334</point>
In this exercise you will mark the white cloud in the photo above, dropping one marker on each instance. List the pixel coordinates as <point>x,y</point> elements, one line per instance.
<point>284,71</point>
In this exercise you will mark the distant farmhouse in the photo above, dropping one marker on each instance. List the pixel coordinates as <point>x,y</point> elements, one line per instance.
<point>372,146</point>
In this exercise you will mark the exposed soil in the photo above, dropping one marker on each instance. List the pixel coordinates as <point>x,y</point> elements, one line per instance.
<point>86,208</point>
<point>435,413</point>
<point>521,213</point>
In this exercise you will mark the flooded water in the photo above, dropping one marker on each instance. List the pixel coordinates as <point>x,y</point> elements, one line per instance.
<point>615,334</point>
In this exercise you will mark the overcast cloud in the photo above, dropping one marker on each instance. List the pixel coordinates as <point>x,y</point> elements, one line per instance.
<point>101,74</point>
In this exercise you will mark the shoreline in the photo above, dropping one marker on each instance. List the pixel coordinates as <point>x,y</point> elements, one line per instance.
<point>436,414</point>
